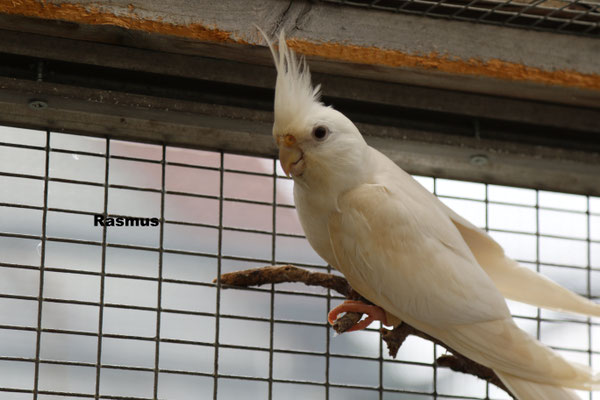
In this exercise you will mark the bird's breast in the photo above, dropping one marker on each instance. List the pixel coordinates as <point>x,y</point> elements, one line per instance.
<point>314,217</point>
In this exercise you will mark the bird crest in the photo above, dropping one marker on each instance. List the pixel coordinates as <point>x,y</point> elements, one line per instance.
<point>295,96</point>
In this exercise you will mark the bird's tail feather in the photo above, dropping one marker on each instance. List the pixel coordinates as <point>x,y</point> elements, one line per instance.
<point>527,390</point>
<point>517,282</point>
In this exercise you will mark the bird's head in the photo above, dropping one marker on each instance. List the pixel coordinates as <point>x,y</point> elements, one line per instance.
<point>316,143</point>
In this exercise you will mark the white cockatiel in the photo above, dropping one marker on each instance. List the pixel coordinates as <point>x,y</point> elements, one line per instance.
<point>409,254</point>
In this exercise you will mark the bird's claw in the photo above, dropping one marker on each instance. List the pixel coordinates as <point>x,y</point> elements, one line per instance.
<point>374,313</point>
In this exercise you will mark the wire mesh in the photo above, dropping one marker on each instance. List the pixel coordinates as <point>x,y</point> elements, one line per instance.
<point>131,312</point>
<point>561,16</point>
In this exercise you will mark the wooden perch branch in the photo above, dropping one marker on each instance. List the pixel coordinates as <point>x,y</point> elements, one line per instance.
<point>393,338</point>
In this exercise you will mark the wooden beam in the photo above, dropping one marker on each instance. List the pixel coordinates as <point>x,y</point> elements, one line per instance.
<point>239,130</point>
<point>352,42</point>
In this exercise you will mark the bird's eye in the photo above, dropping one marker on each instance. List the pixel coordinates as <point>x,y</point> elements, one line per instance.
<point>320,132</point>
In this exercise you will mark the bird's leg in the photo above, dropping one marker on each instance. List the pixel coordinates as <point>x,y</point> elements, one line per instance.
<point>374,313</point>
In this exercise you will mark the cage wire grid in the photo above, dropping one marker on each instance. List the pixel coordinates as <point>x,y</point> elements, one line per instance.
<point>580,17</point>
<point>83,315</point>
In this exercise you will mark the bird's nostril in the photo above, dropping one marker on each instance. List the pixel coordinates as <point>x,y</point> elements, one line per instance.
<point>289,140</point>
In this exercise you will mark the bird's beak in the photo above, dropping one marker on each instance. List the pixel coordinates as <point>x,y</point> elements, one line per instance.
<point>290,156</point>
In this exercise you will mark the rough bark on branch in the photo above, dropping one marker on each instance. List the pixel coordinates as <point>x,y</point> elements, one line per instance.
<point>393,338</point>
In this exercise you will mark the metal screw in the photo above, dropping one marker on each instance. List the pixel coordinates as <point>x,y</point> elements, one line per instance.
<point>479,160</point>
<point>38,104</point>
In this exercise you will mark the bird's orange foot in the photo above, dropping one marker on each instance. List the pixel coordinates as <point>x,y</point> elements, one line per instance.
<point>374,313</point>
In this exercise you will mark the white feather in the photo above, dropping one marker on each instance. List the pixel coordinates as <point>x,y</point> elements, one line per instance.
<point>295,96</point>
<point>527,390</point>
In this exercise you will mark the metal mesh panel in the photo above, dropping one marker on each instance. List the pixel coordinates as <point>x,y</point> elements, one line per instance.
<point>563,16</point>
<point>131,312</point>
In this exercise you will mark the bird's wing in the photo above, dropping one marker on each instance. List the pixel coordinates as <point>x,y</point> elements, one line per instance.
<point>413,256</point>
<point>512,280</point>
<point>412,261</point>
